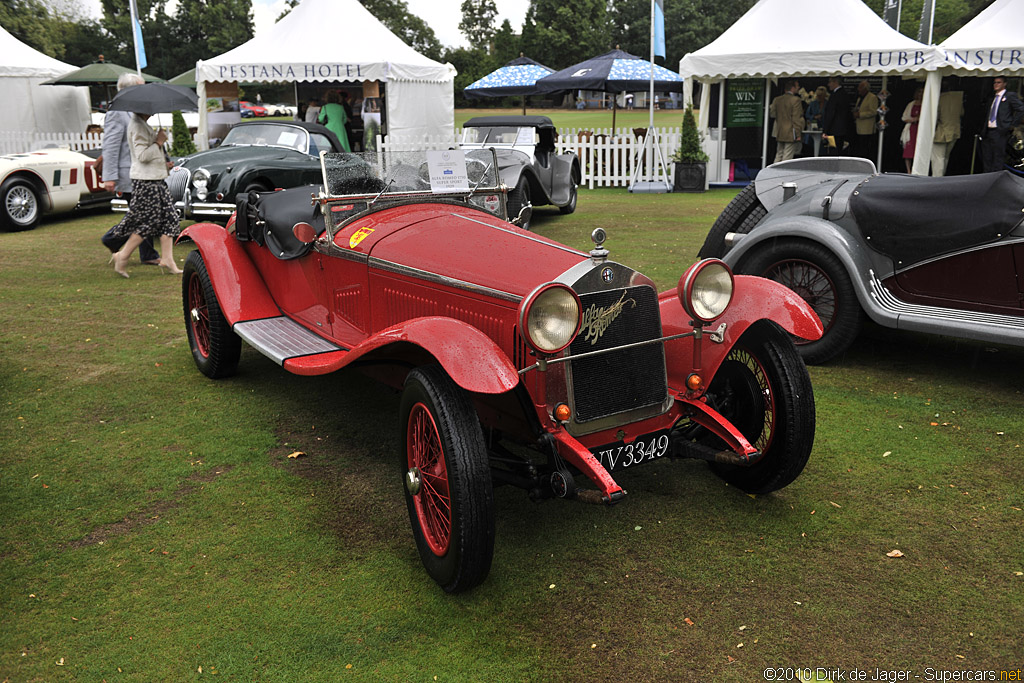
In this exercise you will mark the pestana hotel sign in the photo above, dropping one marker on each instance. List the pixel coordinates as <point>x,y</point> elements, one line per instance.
<point>290,72</point>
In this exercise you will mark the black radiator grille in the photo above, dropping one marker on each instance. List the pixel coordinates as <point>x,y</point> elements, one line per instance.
<point>626,379</point>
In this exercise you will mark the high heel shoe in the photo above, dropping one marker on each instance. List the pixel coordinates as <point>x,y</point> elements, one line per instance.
<point>172,267</point>
<point>118,267</point>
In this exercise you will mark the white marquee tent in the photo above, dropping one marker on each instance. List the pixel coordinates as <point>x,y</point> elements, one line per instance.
<point>769,42</point>
<point>34,108</point>
<point>339,40</point>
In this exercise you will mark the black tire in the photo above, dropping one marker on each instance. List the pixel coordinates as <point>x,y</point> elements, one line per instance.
<point>452,513</point>
<point>20,206</point>
<point>763,388</point>
<point>215,347</point>
<point>814,273</point>
<point>256,186</point>
<point>740,216</point>
<point>517,199</point>
<point>571,206</point>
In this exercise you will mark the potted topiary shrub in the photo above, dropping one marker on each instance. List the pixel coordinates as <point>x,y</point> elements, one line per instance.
<point>181,138</point>
<point>689,160</point>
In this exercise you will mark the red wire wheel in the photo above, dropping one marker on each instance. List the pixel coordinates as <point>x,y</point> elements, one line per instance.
<point>199,315</point>
<point>447,474</point>
<point>215,347</point>
<point>433,502</point>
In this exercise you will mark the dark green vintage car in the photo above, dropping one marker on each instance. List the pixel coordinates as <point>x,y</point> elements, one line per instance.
<point>254,156</point>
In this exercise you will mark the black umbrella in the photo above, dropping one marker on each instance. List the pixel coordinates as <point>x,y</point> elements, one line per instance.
<point>616,71</point>
<point>153,98</point>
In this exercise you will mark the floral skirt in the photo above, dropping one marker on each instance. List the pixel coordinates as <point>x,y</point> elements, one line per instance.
<point>151,211</point>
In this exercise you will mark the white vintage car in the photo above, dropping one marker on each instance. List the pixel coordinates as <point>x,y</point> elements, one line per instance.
<point>47,181</point>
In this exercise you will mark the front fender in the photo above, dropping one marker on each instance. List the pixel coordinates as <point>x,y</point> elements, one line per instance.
<point>846,247</point>
<point>754,299</point>
<point>240,290</point>
<point>470,357</point>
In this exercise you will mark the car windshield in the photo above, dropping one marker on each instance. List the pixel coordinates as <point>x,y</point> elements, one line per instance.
<point>499,135</point>
<point>268,135</point>
<point>411,173</point>
<point>356,182</point>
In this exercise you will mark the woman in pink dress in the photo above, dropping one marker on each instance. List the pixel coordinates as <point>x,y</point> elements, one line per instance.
<point>911,115</point>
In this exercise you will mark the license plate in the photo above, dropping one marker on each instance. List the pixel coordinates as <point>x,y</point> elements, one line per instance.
<point>618,456</point>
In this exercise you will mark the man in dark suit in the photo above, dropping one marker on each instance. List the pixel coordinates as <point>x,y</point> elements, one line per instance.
<point>837,121</point>
<point>1005,111</point>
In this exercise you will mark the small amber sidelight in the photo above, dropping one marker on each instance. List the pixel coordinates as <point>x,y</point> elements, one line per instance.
<point>562,412</point>
<point>694,382</point>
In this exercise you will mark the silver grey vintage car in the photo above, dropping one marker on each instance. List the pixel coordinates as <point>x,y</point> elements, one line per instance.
<point>527,160</point>
<point>938,255</point>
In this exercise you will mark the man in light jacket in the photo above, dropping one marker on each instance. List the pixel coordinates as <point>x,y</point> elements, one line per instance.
<point>788,111</point>
<point>117,164</point>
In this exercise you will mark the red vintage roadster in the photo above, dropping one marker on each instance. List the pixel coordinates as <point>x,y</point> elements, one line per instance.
<point>521,361</point>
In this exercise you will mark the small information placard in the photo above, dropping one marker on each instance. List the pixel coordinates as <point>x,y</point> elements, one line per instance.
<point>447,170</point>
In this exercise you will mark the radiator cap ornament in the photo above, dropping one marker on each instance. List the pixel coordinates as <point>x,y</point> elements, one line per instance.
<point>599,254</point>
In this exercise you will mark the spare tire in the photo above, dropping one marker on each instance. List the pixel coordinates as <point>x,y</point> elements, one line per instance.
<point>741,215</point>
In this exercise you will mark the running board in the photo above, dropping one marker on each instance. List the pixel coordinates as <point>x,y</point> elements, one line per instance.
<point>954,322</point>
<point>281,339</point>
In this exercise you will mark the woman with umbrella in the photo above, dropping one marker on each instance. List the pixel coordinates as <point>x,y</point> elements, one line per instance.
<point>151,211</point>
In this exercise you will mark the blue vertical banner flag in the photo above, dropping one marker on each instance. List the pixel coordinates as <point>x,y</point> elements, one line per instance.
<point>659,28</point>
<point>140,48</point>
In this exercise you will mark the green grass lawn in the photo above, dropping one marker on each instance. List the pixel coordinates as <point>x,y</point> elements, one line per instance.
<point>155,528</point>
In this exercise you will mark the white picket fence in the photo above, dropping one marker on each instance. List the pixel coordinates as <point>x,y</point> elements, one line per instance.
<point>608,158</point>
<point>18,142</point>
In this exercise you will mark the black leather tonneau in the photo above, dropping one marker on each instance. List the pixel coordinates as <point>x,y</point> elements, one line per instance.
<point>276,215</point>
<point>914,218</point>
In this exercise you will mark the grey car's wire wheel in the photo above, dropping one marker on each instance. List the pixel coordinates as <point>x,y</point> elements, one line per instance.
<point>20,202</point>
<point>447,476</point>
<point>517,199</point>
<point>215,347</point>
<point>740,216</point>
<point>573,196</point>
<point>819,278</point>
<point>763,388</point>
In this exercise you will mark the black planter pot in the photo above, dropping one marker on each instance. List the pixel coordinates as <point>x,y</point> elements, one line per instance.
<point>690,177</point>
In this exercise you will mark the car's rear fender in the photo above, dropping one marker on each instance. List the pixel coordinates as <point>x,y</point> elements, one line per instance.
<point>855,257</point>
<point>754,299</point>
<point>240,290</point>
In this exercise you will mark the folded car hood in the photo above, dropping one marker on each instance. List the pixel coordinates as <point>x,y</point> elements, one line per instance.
<point>458,243</point>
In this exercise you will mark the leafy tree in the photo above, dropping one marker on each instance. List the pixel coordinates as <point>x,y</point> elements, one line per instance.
<point>207,28</point>
<point>559,33</point>
<point>505,47</point>
<point>30,22</point>
<point>478,22</point>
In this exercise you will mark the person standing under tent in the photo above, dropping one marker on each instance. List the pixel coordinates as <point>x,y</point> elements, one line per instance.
<point>332,115</point>
<point>1004,112</point>
<point>837,119</point>
<point>865,112</point>
<point>947,129</point>
<point>788,111</point>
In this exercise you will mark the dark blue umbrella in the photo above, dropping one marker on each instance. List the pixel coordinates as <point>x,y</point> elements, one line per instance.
<point>518,77</point>
<point>616,71</point>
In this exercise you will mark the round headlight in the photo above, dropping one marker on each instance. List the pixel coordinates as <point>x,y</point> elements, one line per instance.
<point>200,182</point>
<point>705,290</point>
<point>550,317</point>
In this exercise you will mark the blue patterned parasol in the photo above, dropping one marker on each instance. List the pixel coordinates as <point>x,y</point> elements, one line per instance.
<point>518,77</point>
<point>616,71</point>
